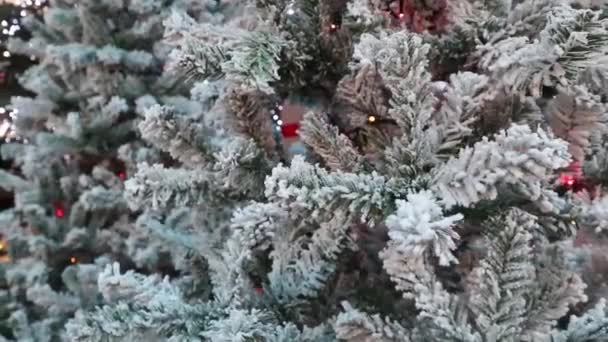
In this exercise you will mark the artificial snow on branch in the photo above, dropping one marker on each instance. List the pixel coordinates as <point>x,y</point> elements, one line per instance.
<point>516,157</point>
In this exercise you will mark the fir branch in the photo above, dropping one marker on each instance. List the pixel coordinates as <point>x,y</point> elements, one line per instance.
<point>576,116</point>
<point>249,111</point>
<point>336,149</point>
<point>177,134</point>
<point>158,188</point>
<point>356,326</point>
<point>525,160</point>
<point>309,188</point>
<point>402,63</point>
<point>419,227</point>
<point>505,275</point>
<point>591,326</point>
<point>301,266</point>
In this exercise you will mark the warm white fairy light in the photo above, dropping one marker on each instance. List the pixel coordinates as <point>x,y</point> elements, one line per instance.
<point>290,9</point>
<point>275,116</point>
<point>5,128</point>
<point>6,54</point>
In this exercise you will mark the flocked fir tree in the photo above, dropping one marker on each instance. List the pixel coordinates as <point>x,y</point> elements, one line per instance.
<point>101,63</point>
<point>451,190</point>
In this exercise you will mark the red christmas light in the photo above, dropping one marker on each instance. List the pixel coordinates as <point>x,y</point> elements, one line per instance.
<point>572,177</point>
<point>567,180</point>
<point>122,175</point>
<point>59,210</point>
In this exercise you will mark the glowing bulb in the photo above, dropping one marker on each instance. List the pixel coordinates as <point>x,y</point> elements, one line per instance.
<point>4,23</point>
<point>279,122</point>
<point>72,260</point>
<point>275,117</point>
<point>401,15</point>
<point>2,110</point>
<point>280,107</point>
<point>5,31</point>
<point>6,54</point>
<point>1,245</point>
<point>333,26</point>
<point>23,13</point>
<point>371,119</point>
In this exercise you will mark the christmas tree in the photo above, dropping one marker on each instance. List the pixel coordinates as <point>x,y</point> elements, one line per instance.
<point>101,63</point>
<point>451,188</point>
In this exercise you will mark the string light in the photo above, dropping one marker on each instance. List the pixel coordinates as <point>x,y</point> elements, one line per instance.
<point>73,260</point>
<point>567,179</point>
<point>59,210</point>
<point>4,256</point>
<point>371,119</point>
<point>290,11</point>
<point>13,24</point>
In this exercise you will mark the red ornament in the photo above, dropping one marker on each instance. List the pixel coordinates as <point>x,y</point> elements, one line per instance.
<point>122,175</point>
<point>59,209</point>
<point>290,130</point>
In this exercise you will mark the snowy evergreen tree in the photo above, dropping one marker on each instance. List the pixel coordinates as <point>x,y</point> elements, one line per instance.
<point>452,175</point>
<point>101,64</point>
